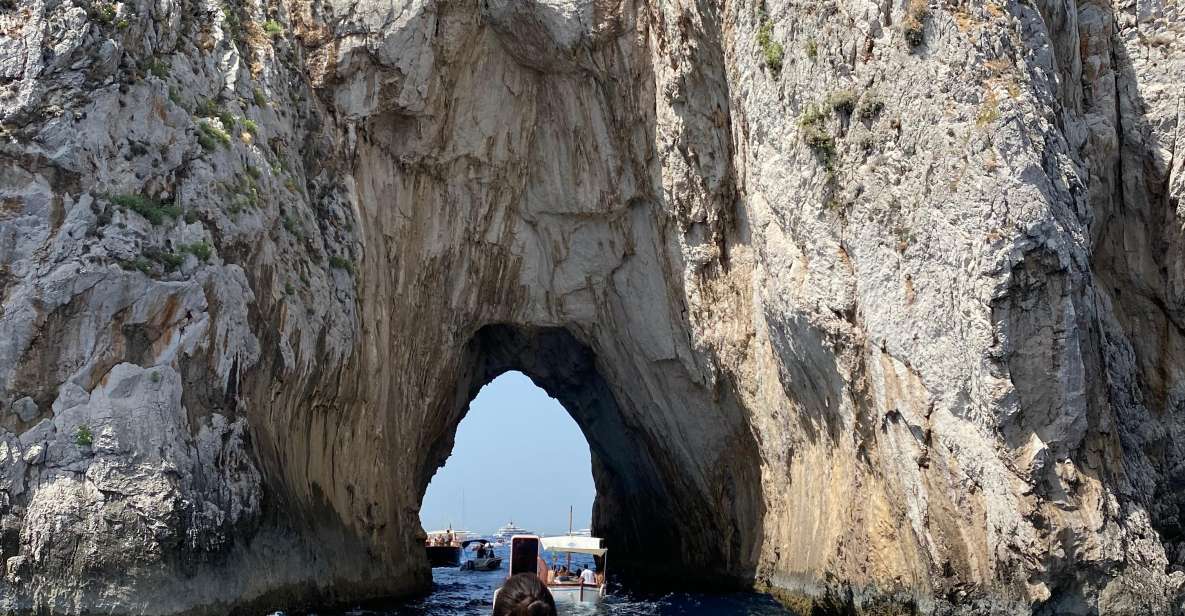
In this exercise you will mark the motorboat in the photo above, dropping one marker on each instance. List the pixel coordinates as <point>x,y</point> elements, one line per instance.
<point>527,556</point>
<point>443,548</point>
<point>484,559</point>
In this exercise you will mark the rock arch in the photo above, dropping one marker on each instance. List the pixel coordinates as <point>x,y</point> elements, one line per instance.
<point>653,495</point>
<point>895,357</point>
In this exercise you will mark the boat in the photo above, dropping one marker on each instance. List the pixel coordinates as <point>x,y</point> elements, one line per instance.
<point>484,560</point>
<point>506,532</point>
<point>574,589</point>
<point>443,548</point>
<point>526,556</point>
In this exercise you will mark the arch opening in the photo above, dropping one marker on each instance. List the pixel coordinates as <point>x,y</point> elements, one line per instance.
<point>518,458</point>
<point>674,512</point>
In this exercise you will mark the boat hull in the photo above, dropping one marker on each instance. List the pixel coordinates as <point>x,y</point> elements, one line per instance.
<point>443,555</point>
<point>482,564</point>
<point>576,593</point>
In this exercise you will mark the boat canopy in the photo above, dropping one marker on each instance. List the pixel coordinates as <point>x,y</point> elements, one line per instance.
<point>466,543</point>
<point>574,544</point>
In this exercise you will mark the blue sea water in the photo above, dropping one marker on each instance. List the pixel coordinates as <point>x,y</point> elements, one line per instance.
<point>470,593</point>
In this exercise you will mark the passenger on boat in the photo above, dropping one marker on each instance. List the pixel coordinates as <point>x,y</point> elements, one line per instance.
<point>524,595</point>
<point>588,576</point>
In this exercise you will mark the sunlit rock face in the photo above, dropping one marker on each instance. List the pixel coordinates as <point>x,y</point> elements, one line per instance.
<point>877,306</point>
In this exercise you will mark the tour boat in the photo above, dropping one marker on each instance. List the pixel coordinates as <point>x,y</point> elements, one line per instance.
<point>574,589</point>
<point>443,548</point>
<point>526,556</point>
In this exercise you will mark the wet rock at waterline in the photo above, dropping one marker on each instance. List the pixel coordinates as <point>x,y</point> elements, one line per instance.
<point>874,305</point>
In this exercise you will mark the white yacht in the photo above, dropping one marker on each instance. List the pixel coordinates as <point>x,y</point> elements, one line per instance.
<point>504,534</point>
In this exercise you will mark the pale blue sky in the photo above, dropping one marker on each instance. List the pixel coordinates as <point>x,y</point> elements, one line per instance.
<point>518,456</point>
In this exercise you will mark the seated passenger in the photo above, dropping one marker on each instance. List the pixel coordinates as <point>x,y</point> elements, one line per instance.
<point>588,576</point>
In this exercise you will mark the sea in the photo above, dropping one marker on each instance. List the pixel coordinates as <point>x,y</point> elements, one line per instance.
<point>470,593</point>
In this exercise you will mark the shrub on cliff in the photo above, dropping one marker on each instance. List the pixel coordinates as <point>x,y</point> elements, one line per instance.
<point>152,210</point>
<point>83,437</point>
<point>771,50</point>
<point>913,26</point>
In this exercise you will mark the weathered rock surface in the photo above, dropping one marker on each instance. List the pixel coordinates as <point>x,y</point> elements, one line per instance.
<point>880,304</point>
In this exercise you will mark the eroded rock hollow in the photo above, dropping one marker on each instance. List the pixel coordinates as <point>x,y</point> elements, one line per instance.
<point>874,305</point>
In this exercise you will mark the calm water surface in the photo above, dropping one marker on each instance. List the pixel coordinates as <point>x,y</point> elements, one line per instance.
<point>470,593</point>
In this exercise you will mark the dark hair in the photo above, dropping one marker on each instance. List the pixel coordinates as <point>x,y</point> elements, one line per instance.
<point>524,594</point>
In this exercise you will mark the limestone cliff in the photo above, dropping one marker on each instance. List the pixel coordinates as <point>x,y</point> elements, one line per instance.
<point>880,304</point>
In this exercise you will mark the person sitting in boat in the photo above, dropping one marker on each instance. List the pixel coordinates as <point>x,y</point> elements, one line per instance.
<point>524,594</point>
<point>588,576</point>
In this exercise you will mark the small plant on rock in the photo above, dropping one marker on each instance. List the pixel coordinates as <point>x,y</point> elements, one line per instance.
<point>814,133</point>
<point>273,28</point>
<point>169,261</point>
<point>771,50</point>
<point>337,262</point>
<point>201,250</point>
<point>83,437</point>
<point>139,264</point>
<point>870,107</point>
<point>158,68</point>
<point>152,210</point>
<point>913,26</point>
<point>211,136</point>
<point>102,12</point>
<point>842,102</point>
<point>206,108</point>
<point>812,48</point>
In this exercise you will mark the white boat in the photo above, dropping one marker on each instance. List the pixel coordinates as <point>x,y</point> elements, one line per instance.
<point>526,556</point>
<point>574,589</point>
<point>506,532</point>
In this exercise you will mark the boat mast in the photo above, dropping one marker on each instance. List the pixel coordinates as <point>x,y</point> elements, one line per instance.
<point>569,534</point>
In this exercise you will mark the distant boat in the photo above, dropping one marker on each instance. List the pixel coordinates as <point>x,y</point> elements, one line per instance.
<point>506,532</point>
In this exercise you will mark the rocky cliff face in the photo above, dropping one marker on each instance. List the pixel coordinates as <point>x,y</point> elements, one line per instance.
<point>878,303</point>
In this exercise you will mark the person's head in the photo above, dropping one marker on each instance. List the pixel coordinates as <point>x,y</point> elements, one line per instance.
<point>524,594</point>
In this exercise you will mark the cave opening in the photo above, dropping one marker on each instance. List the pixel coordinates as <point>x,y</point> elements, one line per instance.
<point>675,512</point>
<point>518,458</point>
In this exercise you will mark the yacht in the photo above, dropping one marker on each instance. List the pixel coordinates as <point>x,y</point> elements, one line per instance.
<point>504,534</point>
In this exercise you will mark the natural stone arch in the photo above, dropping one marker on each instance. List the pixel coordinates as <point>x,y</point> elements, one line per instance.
<point>523,224</point>
<point>646,506</point>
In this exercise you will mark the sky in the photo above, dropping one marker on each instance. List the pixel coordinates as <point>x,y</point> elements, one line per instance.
<point>519,457</point>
